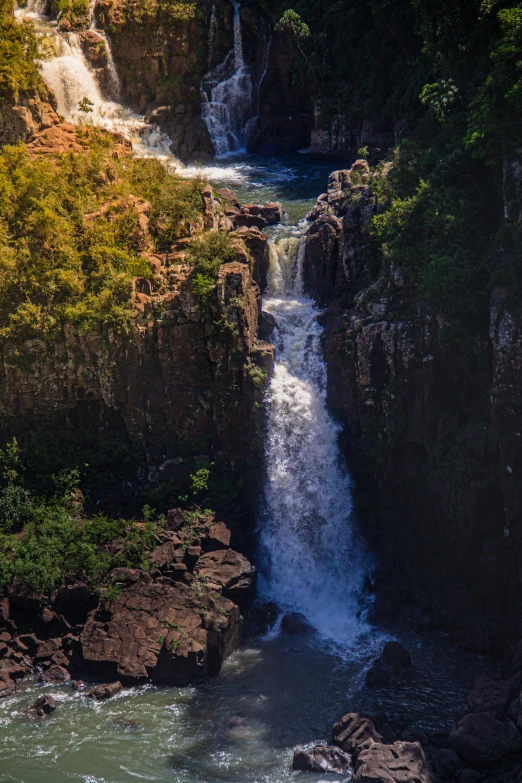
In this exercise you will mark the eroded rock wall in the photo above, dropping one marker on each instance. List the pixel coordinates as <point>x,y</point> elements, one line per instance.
<point>432,432</point>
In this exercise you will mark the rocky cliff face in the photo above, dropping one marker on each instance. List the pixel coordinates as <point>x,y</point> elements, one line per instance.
<point>163,61</point>
<point>434,429</point>
<point>186,380</point>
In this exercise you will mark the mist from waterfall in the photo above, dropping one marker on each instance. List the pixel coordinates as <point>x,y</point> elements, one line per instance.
<point>312,559</point>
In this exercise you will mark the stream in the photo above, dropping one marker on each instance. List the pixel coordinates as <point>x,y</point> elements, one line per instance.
<point>279,691</point>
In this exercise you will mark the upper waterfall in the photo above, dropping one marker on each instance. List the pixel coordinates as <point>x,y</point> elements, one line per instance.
<point>228,95</point>
<point>313,560</point>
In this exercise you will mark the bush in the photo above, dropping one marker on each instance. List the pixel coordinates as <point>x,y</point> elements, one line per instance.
<point>19,74</point>
<point>57,266</point>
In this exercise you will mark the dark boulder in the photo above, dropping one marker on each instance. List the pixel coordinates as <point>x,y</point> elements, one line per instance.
<point>322,759</point>
<point>267,325</point>
<point>260,215</point>
<point>74,602</point>
<point>296,624</point>
<point>445,763</point>
<point>481,739</point>
<point>42,707</point>
<point>394,661</point>
<point>55,673</point>
<point>105,691</point>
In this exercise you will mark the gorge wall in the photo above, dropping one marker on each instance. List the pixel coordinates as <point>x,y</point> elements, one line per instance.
<point>431,425</point>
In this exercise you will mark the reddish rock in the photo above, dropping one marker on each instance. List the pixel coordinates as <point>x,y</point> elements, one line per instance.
<point>46,650</point>
<point>55,673</point>
<point>175,519</point>
<point>230,571</point>
<point>162,632</point>
<point>403,762</point>
<point>218,537</point>
<point>354,732</point>
<point>260,215</point>
<point>105,691</point>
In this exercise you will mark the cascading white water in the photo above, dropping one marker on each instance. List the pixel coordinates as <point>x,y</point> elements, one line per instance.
<point>230,105</point>
<point>313,560</point>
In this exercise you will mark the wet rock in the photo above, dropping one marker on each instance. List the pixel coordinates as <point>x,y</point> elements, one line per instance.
<point>55,673</point>
<point>260,215</point>
<point>78,685</point>
<point>392,729</point>
<point>7,684</point>
<point>445,763</point>
<point>267,325</point>
<point>168,633</point>
<point>403,762</point>
<point>322,759</point>
<point>415,734</point>
<point>488,695</point>
<point>105,691</point>
<point>42,707</point>
<point>439,738</point>
<point>296,624</point>
<point>353,732</point>
<point>394,661</point>
<point>481,739</point>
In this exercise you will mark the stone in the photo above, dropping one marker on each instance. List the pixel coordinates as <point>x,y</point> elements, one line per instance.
<point>74,602</point>
<point>5,612</point>
<point>296,624</point>
<point>229,197</point>
<point>393,661</point>
<point>78,685</point>
<point>46,650</point>
<point>415,734</point>
<point>167,633</point>
<point>231,571</point>
<point>445,763</point>
<point>175,519</point>
<point>403,762</point>
<point>55,673</point>
<point>260,215</point>
<point>322,759</point>
<point>105,691</point>
<point>353,732</point>
<point>218,537</point>
<point>488,695</point>
<point>267,325</point>
<point>42,707</point>
<point>481,739</point>
<point>24,597</point>
<point>396,655</point>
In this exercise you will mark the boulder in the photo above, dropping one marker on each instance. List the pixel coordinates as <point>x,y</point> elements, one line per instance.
<point>74,602</point>
<point>105,691</point>
<point>296,624</point>
<point>218,537</point>
<point>403,762</point>
<point>488,695</point>
<point>481,739</point>
<point>167,633</point>
<point>322,759</point>
<point>353,732</point>
<point>394,661</point>
<point>175,519</point>
<point>55,673</point>
<point>46,650</point>
<point>445,763</point>
<point>230,571</point>
<point>21,596</point>
<point>267,325</point>
<point>260,215</point>
<point>42,707</point>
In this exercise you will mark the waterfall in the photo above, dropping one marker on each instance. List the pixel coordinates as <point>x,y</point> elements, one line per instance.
<point>229,106</point>
<point>212,37</point>
<point>313,561</point>
<point>33,10</point>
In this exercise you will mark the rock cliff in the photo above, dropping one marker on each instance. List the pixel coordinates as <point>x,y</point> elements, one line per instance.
<point>432,427</point>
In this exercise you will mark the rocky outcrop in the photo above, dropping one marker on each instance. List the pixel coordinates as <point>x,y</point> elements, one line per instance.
<point>322,759</point>
<point>174,623</point>
<point>431,434</point>
<point>341,137</point>
<point>24,120</point>
<point>180,380</point>
<point>165,56</point>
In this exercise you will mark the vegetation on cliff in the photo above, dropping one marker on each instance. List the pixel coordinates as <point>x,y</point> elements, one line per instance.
<point>19,74</point>
<point>72,234</point>
<point>446,77</point>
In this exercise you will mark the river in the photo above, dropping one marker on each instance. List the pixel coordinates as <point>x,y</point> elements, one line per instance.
<point>279,691</point>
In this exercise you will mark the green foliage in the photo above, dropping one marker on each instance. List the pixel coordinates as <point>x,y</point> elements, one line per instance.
<point>43,540</point>
<point>19,50</point>
<point>291,22</point>
<point>70,237</point>
<point>207,254</point>
<point>146,11</point>
<point>85,105</point>
<point>74,13</point>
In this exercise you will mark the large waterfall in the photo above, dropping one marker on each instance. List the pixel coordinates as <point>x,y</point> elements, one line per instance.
<point>314,561</point>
